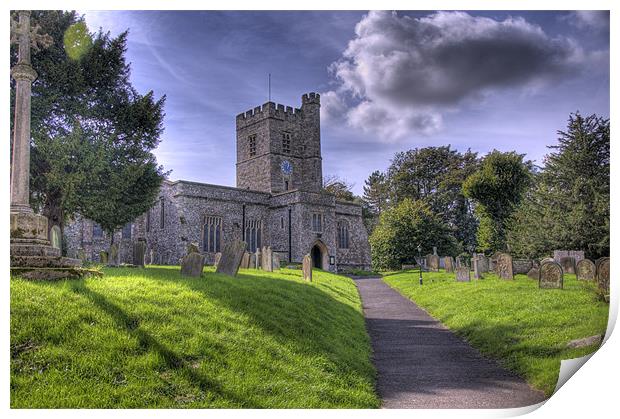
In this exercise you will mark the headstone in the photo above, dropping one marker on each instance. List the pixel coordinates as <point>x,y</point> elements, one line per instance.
<point>217,258</point>
<point>231,258</point>
<point>533,273</point>
<point>504,266</point>
<point>547,260</point>
<point>103,257</point>
<point>475,260</point>
<point>483,263</point>
<point>245,261</point>
<point>114,255</point>
<point>252,261</point>
<point>276,262</point>
<point>586,270</point>
<point>139,249</point>
<point>521,266</point>
<point>433,263</point>
<point>434,250</point>
<point>267,261</point>
<point>192,264</point>
<point>462,274</point>
<point>568,264</point>
<point>307,268</point>
<point>406,267</point>
<point>151,256</point>
<point>550,275</point>
<point>193,248</point>
<point>56,237</point>
<point>575,254</point>
<point>602,275</point>
<point>448,263</point>
<point>258,259</point>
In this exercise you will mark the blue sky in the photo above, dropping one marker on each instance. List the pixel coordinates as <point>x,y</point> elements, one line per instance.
<point>390,81</point>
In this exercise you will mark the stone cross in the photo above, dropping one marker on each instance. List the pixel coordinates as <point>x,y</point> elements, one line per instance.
<point>24,75</point>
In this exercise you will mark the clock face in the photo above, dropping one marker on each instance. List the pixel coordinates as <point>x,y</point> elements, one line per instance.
<point>287,167</point>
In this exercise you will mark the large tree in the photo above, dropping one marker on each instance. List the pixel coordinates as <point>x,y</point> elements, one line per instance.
<point>405,226</point>
<point>568,208</point>
<point>92,132</point>
<point>436,175</point>
<point>497,187</point>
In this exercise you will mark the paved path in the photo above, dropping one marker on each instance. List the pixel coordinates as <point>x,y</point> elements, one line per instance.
<point>421,364</point>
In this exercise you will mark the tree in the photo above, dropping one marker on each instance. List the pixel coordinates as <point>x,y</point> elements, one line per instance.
<point>92,132</point>
<point>338,187</point>
<point>436,175</point>
<point>376,192</point>
<point>402,228</point>
<point>568,208</point>
<point>497,187</point>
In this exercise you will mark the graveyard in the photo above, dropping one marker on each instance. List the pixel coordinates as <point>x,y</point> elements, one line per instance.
<point>527,329</point>
<point>153,338</point>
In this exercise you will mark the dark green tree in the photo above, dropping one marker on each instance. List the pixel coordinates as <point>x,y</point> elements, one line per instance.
<point>92,132</point>
<point>405,226</point>
<point>436,175</point>
<point>497,187</point>
<point>569,206</point>
<point>376,192</point>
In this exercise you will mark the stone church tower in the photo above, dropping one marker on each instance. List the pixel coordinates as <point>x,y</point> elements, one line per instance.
<point>279,148</point>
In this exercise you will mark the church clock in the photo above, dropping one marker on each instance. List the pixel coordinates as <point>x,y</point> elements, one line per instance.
<point>287,167</point>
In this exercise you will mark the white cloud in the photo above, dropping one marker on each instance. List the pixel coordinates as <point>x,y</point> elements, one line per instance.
<point>401,74</point>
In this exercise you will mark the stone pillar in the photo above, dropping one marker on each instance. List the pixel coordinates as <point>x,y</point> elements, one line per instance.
<point>24,75</point>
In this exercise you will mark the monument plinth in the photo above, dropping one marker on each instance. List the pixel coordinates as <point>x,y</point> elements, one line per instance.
<point>32,255</point>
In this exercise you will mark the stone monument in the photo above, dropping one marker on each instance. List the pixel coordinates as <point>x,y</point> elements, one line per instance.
<point>32,255</point>
<point>462,274</point>
<point>217,258</point>
<point>258,259</point>
<point>276,262</point>
<point>568,264</point>
<point>267,261</point>
<point>586,270</point>
<point>503,266</point>
<point>602,276</point>
<point>433,263</point>
<point>113,255</point>
<point>192,264</point>
<point>139,250</point>
<point>448,264</point>
<point>231,258</point>
<point>307,268</point>
<point>550,275</point>
<point>245,260</point>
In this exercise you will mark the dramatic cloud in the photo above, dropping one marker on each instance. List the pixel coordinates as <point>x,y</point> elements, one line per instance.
<point>591,19</point>
<point>400,74</point>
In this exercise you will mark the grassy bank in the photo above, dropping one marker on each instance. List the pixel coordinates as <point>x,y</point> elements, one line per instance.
<point>523,327</point>
<point>151,338</point>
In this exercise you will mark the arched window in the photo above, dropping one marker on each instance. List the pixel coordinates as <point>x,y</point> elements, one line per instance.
<point>97,231</point>
<point>212,234</point>
<point>126,233</point>
<point>253,233</point>
<point>343,235</point>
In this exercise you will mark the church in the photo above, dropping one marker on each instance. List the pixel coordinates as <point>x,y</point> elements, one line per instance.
<point>278,201</point>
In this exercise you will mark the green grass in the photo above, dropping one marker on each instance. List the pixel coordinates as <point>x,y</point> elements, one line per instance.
<point>525,328</point>
<point>151,338</point>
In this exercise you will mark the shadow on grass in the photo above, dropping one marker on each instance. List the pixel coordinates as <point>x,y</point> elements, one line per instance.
<point>148,342</point>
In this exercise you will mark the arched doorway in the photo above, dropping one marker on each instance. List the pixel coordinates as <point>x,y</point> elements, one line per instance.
<point>319,255</point>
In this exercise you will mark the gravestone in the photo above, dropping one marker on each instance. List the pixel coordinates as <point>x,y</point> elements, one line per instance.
<point>533,273</point>
<point>475,260</point>
<point>503,266</point>
<point>258,259</point>
<point>568,264</point>
<point>103,257</point>
<point>151,256</point>
<point>586,270</point>
<point>114,255</point>
<point>245,261</point>
<point>192,264</point>
<point>139,249</point>
<point>462,274</point>
<point>276,262</point>
<point>252,261</point>
<point>193,248</point>
<point>231,258</point>
<point>406,267</point>
<point>267,261</point>
<point>56,237</point>
<point>307,268</point>
<point>449,264</point>
<point>521,266</point>
<point>550,275</point>
<point>602,275</point>
<point>433,263</point>
<point>576,254</point>
<point>483,263</point>
<point>434,250</point>
<point>217,258</point>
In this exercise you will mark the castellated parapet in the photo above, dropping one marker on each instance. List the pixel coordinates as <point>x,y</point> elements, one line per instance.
<point>268,110</point>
